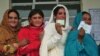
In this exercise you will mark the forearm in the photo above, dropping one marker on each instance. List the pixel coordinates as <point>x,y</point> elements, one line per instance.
<point>30,47</point>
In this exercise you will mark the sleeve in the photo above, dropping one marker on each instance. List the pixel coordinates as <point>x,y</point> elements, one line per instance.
<point>79,45</point>
<point>3,35</point>
<point>31,46</point>
<point>52,36</point>
<point>52,42</point>
<point>68,28</point>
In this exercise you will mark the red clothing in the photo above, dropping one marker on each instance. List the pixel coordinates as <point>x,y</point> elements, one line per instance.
<point>32,34</point>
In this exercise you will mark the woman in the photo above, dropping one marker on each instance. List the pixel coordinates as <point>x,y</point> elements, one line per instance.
<point>30,34</point>
<point>8,32</point>
<point>54,33</point>
<point>80,42</point>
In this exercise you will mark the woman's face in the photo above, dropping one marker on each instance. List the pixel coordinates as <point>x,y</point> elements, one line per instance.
<point>36,20</point>
<point>13,19</point>
<point>61,14</point>
<point>87,19</point>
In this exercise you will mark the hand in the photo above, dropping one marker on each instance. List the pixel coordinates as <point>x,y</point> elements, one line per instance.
<point>6,48</point>
<point>12,49</point>
<point>58,28</point>
<point>70,27</point>
<point>23,42</point>
<point>81,34</point>
<point>9,49</point>
<point>15,45</point>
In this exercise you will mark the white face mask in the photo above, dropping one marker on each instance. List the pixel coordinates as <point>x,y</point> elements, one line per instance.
<point>61,22</point>
<point>85,26</point>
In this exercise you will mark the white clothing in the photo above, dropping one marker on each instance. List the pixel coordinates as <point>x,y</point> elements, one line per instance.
<point>53,43</point>
<point>85,26</point>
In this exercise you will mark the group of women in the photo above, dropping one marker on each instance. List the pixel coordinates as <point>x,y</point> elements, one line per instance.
<point>55,38</point>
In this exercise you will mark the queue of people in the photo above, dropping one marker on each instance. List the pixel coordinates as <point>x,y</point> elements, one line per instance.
<point>55,38</point>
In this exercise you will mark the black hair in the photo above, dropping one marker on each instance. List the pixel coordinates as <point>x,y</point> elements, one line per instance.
<point>13,10</point>
<point>56,10</point>
<point>84,12</point>
<point>35,11</point>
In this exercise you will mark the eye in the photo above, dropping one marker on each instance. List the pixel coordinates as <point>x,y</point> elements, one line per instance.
<point>39,17</point>
<point>84,18</point>
<point>10,17</point>
<point>60,13</point>
<point>34,17</point>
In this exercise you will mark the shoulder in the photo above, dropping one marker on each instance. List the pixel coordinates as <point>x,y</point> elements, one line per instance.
<point>50,26</point>
<point>24,29</point>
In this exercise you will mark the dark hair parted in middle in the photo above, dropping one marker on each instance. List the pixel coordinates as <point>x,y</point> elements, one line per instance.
<point>56,10</point>
<point>15,11</point>
<point>35,11</point>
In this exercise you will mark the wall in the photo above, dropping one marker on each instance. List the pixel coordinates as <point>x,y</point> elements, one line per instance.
<point>89,4</point>
<point>4,5</point>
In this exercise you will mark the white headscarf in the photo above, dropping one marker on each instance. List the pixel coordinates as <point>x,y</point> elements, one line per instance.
<point>67,15</point>
<point>43,48</point>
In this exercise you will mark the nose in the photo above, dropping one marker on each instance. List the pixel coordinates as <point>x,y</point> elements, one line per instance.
<point>63,16</point>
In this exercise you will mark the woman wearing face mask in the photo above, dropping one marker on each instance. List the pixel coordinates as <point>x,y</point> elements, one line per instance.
<point>80,42</point>
<point>8,32</point>
<point>30,35</point>
<point>55,32</point>
<point>86,23</point>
